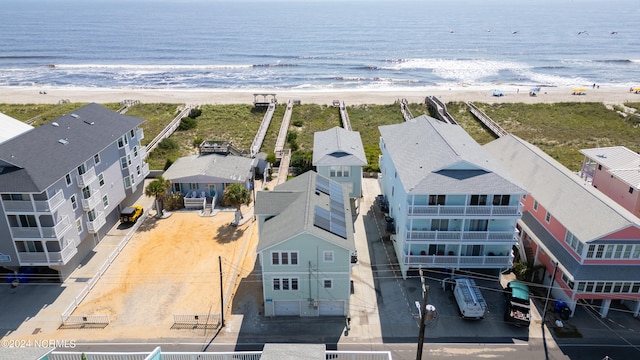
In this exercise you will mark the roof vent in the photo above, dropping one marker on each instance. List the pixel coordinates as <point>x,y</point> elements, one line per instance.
<point>89,122</point>
<point>75,116</point>
<point>55,124</point>
<point>63,141</point>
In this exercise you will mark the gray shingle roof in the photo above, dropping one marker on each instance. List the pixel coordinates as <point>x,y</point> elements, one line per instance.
<point>620,161</point>
<point>431,156</point>
<point>294,212</point>
<point>41,159</point>
<point>582,209</point>
<point>338,146</point>
<point>212,168</point>
<point>11,127</point>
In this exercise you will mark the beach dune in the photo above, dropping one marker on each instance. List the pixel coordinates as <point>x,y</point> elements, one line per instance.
<point>35,95</point>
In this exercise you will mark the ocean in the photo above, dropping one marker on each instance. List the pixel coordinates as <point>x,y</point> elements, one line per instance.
<point>316,45</point>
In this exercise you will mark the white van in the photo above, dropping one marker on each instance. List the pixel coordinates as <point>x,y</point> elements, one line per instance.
<point>470,301</point>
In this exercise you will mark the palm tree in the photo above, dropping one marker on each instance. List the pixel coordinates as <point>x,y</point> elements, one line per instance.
<point>236,195</point>
<point>158,188</point>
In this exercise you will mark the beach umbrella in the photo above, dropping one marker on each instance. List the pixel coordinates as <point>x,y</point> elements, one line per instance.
<point>636,89</point>
<point>535,89</point>
<point>579,89</point>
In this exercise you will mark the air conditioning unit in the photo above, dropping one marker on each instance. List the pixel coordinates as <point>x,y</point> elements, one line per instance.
<point>315,304</point>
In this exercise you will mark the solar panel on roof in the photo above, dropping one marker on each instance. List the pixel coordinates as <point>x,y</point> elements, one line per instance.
<point>322,184</point>
<point>332,223</point>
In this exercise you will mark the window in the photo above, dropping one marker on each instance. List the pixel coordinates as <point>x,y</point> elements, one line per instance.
<point>285,284</point>
<point>138,170</point>
<point>86,192</point>
<point>135,151</point>
<point>105,201</point>
<point>436,199</point>
<point>630,189</point>
<point>120,142</point>
<point>547,217</point>
<point>501,200</point>
<point>478,225</point>
<point>132,133</point>
<point>82,169</point>
<point>74,202</point>
<point>123,162</point>
<point>535,205</point>
<point>478,200</point>
<point>101,179</point>
<point>27,221</point>
<point>439,224</point>
<point>327,283</point>
<point>590,251</point>
<point>339,171</point>
<point>599,251</point>
<point>33,246</point>
<point>176,187</point>
<point>524,197</point>
<point>327,256</point>
<point>133,180</point>
<point>599,167</point>
<point>129,159</point>
<point>92,215</point>
<point>67,178</point>
<point>127,182</point>
<point>96,159</point>
<point>79,225</point>
<point>284,258</point>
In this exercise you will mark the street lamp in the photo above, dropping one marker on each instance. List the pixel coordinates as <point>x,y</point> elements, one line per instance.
<point>546,301</point>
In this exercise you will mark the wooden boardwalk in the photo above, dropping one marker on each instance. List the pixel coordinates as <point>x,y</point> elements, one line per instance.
<point>283,170</point>
<point>487,121</point>
<point>438,110</point>
<point>262,131</point>
<point>284,129</point>
<point>170,129</point>
<point>344,116</point>
<point>404,108</point>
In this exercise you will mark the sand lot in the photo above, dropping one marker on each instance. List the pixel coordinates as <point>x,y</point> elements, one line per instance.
<point>170,266</point>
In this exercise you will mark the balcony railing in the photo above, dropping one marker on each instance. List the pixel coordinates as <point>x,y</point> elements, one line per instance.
<point>18,205</point>
<point>97,223</point>
<point>51,204</point>
<point>92,201</point>
<point>142,152</point>
<point>462,210</point>
<point>465,236</point>
<point>459,261</point>
<point>139,134</point>
<point>145,170</point>
<point>87,178</point>
<point>44,232</point>
<point>54,257</point>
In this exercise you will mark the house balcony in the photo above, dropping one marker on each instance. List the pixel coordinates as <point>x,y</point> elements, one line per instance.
<point>92,201</point>
<point>97,223</point>
<point>461,236</point>
<point>145,170</point>
<point>49,205</point>
<point>139,134</point>
<point>462,210</point>
<point>455,261</point>
<point>142,152</point>
<point>87,178</point>
<point>48,257</point>
<point>44,232</point>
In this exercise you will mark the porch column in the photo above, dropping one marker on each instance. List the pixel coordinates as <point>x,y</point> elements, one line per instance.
<point>605,308</point>
<point>636,308</point>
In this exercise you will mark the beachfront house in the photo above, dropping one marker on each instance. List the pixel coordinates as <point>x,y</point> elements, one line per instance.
<point>203,178</point>
<point>62,185</point>
<point>305,247</point>
<point>339,155</point>
<point>452,206</point>
<point>615,171</point>
<point>588,243</point>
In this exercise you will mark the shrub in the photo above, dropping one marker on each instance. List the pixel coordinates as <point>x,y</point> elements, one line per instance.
<point>174,201</point>
<point>271,158</point>
<point>196,141</point>
<point>168,144</point>
<point>194,113</point>
<point>298,123</point>
<point>167,164</point>
<point>187,123</point>
<point>302,161</point>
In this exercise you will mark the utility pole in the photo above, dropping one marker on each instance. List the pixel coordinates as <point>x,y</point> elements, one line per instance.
<point>546,301</point>
<point>221,294</point>
<point>423,314</point>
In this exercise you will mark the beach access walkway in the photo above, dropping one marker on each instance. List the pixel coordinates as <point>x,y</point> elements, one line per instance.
<point>496,129</point>
<point>262,131</point>
<point>284,128</point>
<point>344,116</point>
<point>439,110</point>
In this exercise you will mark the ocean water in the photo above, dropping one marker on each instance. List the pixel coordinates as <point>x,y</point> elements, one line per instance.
<point>316,44</point>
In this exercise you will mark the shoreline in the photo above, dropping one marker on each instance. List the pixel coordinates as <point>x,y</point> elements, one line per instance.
<point>512,94</point>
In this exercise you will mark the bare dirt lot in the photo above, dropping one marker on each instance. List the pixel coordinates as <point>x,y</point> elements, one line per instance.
<point>170,266</point>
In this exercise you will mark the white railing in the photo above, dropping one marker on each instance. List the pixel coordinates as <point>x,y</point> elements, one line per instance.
<point>145,170</point>
<point>63,257</point>
<point>468,236</point>
<point>139,134</point>
<point>97,223</point>
<point>33,257</point>
<point>53,258</point>
<point>86,178</point>
<point>92,201</point>
<point>56,232</point>
<point>52,203</point>
<point>142,152</point>
<point>17,205</point>
<point>462,261</point>
<point>462,210</point>
<point>233,355</point>
<point>25,232</point>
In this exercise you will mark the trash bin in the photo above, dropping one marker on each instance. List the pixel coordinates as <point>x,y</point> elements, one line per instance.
<point>565,313</point>
<point>559,305</point>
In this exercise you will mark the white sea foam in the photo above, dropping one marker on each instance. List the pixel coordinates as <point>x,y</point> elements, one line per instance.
<point>461,70</point>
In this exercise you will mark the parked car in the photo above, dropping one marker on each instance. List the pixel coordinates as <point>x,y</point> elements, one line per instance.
<point>471,303</point>
<point>131,214</point>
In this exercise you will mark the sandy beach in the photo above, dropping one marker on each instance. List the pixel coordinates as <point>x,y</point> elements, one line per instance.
<point>35,95</point>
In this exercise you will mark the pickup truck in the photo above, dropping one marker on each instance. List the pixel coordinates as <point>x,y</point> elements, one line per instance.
<point>517,304</point>
<point>131,214</point>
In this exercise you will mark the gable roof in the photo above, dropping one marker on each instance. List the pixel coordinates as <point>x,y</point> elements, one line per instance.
<point>11,127</point>
<point>295,207</point>
<point>338,146</point>
<point>581,208</point>
<point>44,155</point>
<point>620,161</point>
<point>211,168</point>
<point>432,156</point>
